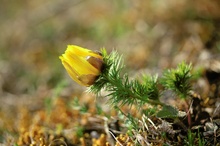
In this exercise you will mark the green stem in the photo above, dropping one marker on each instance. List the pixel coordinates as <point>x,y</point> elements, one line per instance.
<point>132,94</point>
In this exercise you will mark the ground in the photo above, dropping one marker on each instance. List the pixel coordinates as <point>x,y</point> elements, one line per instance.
<point>41,105</point>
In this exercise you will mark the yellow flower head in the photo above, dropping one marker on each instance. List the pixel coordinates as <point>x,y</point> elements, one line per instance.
<point>83,65</point>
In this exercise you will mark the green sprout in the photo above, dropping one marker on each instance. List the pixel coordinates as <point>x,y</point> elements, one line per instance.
<point>107,74</point>
<point>178,80</point>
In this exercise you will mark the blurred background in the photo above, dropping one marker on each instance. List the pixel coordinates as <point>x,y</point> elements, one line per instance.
<point>152,35</point>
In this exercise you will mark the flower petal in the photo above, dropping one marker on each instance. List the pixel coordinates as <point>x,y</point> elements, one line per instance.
<point>72,73</point>
<point>82,51</point>
<point>81,65</point>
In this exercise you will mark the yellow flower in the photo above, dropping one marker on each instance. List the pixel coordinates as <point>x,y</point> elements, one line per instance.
<point>83,65</point>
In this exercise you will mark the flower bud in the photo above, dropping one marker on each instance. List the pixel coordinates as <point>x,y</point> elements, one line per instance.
<point>83,65</point>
